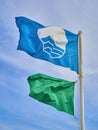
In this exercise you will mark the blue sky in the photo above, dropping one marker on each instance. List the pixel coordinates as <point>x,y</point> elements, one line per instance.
<point>17,110</point>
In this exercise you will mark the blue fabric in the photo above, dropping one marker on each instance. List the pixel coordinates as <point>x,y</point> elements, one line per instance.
<point>31,44</point>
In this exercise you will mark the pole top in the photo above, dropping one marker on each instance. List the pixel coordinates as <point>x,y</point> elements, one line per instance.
<point>80,32</point>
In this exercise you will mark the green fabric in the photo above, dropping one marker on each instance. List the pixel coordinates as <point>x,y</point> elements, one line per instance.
<point>53,91</point>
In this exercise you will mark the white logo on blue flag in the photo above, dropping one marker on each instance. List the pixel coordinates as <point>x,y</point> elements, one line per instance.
<point>54,41</point>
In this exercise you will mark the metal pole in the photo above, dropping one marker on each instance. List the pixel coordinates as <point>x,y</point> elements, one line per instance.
<point>82,123</point>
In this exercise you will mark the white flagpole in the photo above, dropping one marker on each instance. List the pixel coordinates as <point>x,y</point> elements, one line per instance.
<point>82,123</point>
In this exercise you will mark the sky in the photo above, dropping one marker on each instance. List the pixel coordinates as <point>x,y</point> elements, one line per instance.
<point>17,110</point>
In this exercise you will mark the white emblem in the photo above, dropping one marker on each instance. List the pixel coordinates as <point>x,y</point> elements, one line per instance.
<point>54,41</point>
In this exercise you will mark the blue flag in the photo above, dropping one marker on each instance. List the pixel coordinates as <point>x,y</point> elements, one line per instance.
<point>52,44</point>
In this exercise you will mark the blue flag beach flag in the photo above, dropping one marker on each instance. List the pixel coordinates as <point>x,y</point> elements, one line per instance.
<point>52,44</point>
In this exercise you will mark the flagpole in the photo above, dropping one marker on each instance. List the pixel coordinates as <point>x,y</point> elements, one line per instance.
<point>82,124</point>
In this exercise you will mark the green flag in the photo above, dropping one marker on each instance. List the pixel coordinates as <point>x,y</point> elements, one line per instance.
<point>53,91</point>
